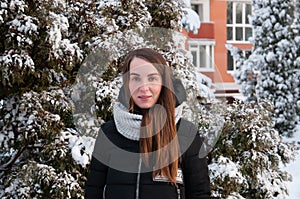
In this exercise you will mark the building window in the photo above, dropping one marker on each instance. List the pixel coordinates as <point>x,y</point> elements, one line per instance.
<point>238,25</point>
<point>202,8</point>
<point>203,54</point>
<point>231,62</point>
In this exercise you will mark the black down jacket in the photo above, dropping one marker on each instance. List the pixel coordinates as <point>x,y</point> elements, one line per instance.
<point>117,172</point>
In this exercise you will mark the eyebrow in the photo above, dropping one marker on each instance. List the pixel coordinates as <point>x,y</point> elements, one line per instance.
<point>151,74</point>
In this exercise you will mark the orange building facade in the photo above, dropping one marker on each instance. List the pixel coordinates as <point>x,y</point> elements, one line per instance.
<point>223,22</point>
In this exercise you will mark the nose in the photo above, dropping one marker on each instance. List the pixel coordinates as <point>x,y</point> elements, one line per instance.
<point>144,86</point>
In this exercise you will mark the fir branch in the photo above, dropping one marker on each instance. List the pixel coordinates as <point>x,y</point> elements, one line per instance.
<point>13,159</point>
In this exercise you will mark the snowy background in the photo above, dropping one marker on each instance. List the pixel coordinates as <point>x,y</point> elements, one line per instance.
<point>293,167</point>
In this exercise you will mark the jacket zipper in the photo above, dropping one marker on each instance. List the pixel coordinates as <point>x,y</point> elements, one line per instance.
<point>103,194</point>
<point>137,191</point>
<point>178,192</point>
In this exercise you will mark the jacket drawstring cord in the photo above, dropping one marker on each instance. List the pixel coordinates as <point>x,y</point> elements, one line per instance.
<point>138,180</point>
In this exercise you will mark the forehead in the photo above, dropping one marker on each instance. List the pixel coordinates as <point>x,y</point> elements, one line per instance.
<point>141,66</point>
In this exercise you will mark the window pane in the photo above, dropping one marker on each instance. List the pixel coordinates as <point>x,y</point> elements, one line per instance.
<point>229,61</point>
<point>238,24</point>
<point>239,34</point>
<point>248,33</point>
<point>194,53</point>
<point>195,7</point>
<point>211,60</point>
<point>239,13</point>
<point>203,57</point>
<point>201,12</point>
<point>229,33</point>
<point>248,12</point>
<point>229,12</point>
<point>198,8</point>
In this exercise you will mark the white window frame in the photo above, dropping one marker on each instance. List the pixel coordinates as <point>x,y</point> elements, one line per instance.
<point>205,12</point>
<point>209,48</point>
<point>242,25</point>
<point>234,62</point>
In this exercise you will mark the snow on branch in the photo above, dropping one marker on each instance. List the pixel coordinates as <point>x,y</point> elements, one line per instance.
<point>191,20</point>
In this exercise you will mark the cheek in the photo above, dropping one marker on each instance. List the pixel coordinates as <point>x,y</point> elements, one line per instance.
<point>156,89</point>
<point>133,89</point>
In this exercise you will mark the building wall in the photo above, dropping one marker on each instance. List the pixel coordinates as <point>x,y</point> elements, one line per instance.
<point>214,28</point>
<point>218,15</point>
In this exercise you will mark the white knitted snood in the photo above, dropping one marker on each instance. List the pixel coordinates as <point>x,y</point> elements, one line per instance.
<point>128,124</point>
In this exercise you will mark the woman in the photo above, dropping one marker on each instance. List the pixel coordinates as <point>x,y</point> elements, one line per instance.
<point>148,150</point>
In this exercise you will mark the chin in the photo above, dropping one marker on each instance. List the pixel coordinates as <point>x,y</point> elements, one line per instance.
<point>145,106</point>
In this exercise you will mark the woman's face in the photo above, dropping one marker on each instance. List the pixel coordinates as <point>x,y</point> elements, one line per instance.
<point>145,83</point>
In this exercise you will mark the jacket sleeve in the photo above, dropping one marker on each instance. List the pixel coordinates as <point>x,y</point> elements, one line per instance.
<point>195,171</point>
<point>96,179</point>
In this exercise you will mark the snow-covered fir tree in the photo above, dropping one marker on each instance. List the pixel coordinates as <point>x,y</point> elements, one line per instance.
<point>249,153</point>
<point>42,44</point>
<point>245,74</point>
<point>295,78</point>
<point>271,71</point>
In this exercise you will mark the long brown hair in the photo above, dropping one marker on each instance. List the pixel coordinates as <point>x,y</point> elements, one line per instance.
<point>166,154</point>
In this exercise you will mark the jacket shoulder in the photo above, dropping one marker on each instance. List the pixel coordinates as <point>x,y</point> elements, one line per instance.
<point>186,128</point>
<point>108,131</point>
<point>108,126</point>
<point>189,138</point>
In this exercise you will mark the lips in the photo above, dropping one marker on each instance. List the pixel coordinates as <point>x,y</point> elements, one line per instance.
<point>144,97</point>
